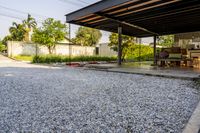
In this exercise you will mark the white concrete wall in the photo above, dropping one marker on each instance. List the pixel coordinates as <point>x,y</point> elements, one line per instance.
<point>105,50</point>
<point>21,48</point>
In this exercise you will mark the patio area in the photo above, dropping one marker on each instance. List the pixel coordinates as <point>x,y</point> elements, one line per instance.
<point>146,68</point>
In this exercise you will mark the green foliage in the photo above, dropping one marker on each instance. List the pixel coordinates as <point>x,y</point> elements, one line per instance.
<point>127,41</point>
<point>59,58</point>
<point>17,32</point>
<point>29,24</point>
<point>139,53</point>
<point>2,46</point>
<point>20,32</point>
<point>166,41</point>
<point>131,50</point>
<point>50,33</point>
<point>23,58</point>
<point>87,36</point>
<point>5,39</point>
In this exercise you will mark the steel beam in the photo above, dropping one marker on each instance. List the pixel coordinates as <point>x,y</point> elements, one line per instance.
<point>119,45</point>
<point>154,50</point>
<point>121,22</point>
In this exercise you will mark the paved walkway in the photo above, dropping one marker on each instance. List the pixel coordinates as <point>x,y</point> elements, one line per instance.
<point>5,60</point>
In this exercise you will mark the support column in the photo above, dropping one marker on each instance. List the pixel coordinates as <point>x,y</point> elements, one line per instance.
<point>69,43</point>
<point>119,45</point>
<point>154,50</point>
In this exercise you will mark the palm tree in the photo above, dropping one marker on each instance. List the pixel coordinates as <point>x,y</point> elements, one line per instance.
<point>29,24</point>
<point>17,32</point>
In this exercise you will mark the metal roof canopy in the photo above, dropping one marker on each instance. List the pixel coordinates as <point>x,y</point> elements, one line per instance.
<point>140,18</point>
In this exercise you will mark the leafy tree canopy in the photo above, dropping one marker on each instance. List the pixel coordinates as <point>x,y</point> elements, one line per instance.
<point>87,36</point>
<point>2,46</point>
<point>20,31</point>
<point>17,32</point>
<point>5,39</point>
<point>51,32</point>
<point>167,40</point>
<point>29,24</point>
<point>127,41</point>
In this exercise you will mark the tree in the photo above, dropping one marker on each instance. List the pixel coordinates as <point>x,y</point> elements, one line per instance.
<point>167,40</point>
<point>127,41</point>
<point>29,25</point>
<point>17,32</point>
<point>50,33</point>
<point>87,36</point>
<point>2,46</point>
<point>6,39</point>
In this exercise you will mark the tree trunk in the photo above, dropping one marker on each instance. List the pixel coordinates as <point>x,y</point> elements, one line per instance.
<point>26,37</point>
<point>123,54</point>
<point>50,51</point>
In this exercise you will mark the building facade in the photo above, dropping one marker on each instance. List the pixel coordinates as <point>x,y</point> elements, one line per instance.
<point>188,40</point>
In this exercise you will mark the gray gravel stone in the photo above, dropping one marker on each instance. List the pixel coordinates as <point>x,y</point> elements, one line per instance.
<point>49,99</point>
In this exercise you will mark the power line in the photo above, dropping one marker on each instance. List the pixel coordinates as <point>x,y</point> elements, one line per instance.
<point>72,3</point>
<point>5,15</point>
<point>23,12</point>
<point>83,2</point>
<point>19,11</point>
<point>15,17</point>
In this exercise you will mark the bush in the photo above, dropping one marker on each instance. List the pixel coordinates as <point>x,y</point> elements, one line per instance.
<point>59,59</point>
<point>2,47</point>
<point>139,52</point>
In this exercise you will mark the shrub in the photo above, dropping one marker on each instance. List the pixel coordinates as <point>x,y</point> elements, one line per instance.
<point>139,52</point>
<point>2,47</point>
<point>59,58</point>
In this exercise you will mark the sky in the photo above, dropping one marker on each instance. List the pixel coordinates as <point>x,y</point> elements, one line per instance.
<point>17,10</point>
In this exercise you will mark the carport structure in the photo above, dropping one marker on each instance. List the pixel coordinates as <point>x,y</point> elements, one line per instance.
<point>140,18</point>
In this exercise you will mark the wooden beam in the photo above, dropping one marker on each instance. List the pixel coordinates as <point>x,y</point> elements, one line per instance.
<point>165,14</point>
<point>117,6</point>
<point>150,7</point>
<point>134,6</point>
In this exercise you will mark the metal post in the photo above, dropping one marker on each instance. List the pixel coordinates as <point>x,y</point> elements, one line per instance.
<point>154,50</point>
<point>119,45</point>
<point>36,52</point>
<point>69,44</point>
<point>36,48</point>
<point>140,52</point>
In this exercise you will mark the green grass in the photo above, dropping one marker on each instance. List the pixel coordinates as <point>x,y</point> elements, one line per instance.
<point>60,59</point>
<point>24,58</point>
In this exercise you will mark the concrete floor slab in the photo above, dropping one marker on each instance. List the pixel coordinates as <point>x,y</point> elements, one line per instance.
<point>147,69</point>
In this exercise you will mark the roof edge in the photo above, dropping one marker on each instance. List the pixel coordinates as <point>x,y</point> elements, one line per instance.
<point>93,8</point>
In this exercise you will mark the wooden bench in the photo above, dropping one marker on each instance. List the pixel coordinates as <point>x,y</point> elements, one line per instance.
<point>177,62</point>
<point>176,56</point>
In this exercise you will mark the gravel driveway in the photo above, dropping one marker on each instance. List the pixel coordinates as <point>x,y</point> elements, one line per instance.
<point>49,99</point>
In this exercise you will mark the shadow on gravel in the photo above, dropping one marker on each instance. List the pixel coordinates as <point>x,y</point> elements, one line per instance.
<point>195,84</point>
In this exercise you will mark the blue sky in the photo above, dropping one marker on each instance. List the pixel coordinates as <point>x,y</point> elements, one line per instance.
<point>40,9</point>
